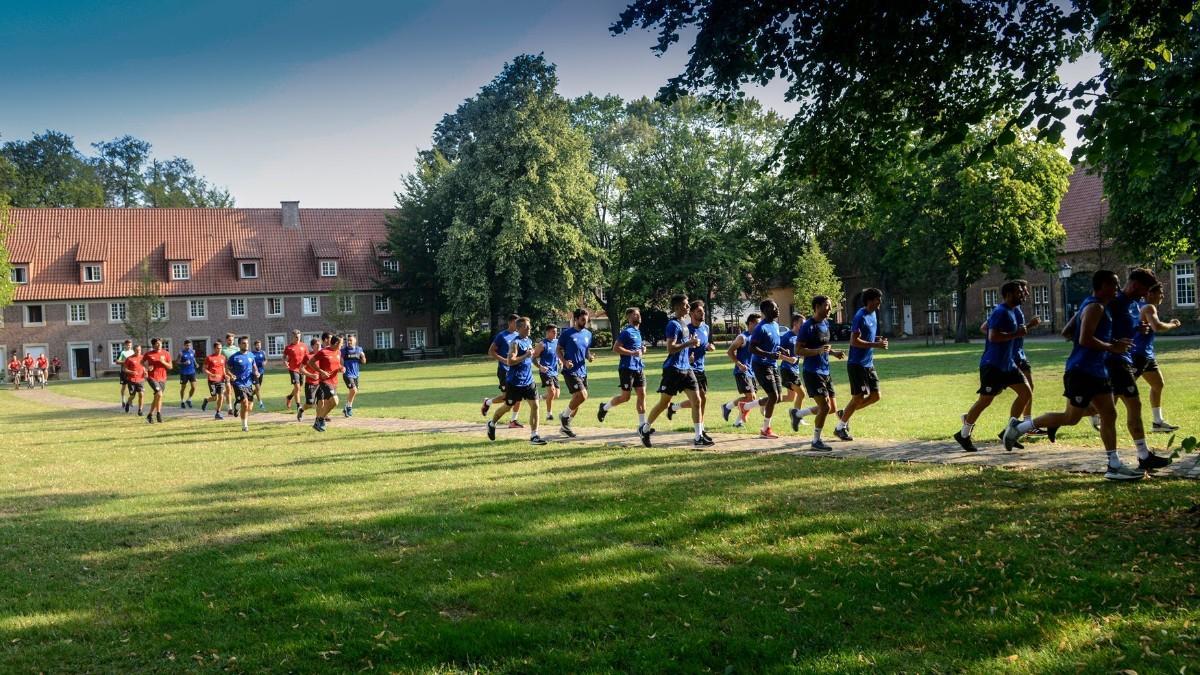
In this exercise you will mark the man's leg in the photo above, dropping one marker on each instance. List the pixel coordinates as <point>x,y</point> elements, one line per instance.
<point>551,394</point>
<point>501,408</point>
<point>1137,429</point>
<point>1155,379</point>
<point>1021,402</point>
<point>244,413</point>
<point>1027,413</point>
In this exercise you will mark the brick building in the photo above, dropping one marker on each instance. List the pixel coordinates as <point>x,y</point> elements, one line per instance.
<point>254,272</point>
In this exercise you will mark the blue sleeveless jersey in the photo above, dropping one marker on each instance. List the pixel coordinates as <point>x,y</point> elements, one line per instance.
<point>1083,359</point>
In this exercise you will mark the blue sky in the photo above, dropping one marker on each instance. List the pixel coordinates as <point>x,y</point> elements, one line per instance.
<point>325,102</point>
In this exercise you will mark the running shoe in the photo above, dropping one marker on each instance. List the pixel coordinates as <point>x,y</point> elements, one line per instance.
<point>218,416</point>
<point>725,410</point>
<point>767,433</point>
<point>345,411</point>
<point>1153,462</point>
<point>491,430</point>
<point>1122,472</point>
<point>537,440</point>
<point>158,417</point>
<point>1010,435</point>
<point>299,413</point>
<point>706,436</point>
<point>487,403</point>
<point>150,419</point>
<point>1164,427</point>
<point>601,413</point>
<point>126,406</point>
<point>645,432</point>
<point>513,424</point>
<point>1017,446</point>
<point>843,433</point>
<point>702,442</point>
<point>794,414</point>
<point>820,446</point>
<point>965,441</point>
<point>204,405</point>
<point>670,411</point>
<point>564,424</point>
<point>182,405</point>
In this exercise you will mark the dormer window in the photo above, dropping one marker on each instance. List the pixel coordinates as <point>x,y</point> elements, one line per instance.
<point>92,274</point>
<point>181,271</point>
<point>329,268</point>
<point>248,269</point>
<point>19,274</point>
<point>391,264</point>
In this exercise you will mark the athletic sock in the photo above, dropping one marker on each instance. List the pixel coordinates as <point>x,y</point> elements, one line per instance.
<point>1114,460</point>
<point>967,428</point>
<point>1095,420</point>
<point>841,425</point>
<point>816,435</point>
<point>809,411</point>
<point>641,419</point>
<point>750,406</point>
<point>766,423</point>
<point>1143,451</point>
<point>1026,426</point>
<point>532,433</point>
<point>1158,418</point>
<point>699,429</point>
<point>514,415</point>
<point>674,407</point>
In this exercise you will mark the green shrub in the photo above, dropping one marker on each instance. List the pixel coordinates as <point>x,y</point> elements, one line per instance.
<point>602,339</point>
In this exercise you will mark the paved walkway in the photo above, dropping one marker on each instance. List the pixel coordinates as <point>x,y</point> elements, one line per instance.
<point>1040,455</point>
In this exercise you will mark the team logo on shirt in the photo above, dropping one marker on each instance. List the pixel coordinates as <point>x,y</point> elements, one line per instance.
<point>1079,399</point>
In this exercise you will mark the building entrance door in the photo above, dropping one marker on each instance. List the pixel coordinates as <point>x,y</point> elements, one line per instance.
<point>80,355</point>
<point>908,324</point>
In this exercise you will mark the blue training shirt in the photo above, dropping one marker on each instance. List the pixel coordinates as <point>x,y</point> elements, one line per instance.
<point>743,353</point>
<point>503,341</point>
<point>814,334</point>
<point>350,362</point>
<point>999,355</point>
<point>260,359</point>
<point>241,366</point>
<point>788,341</point>
<point>1143,343</point>
<point>697,353</point>
<point>576,342</point>
<point>549,357</point>
<point>186,362</point>
<point>1019,343</point>
<point>1083,359</point>
<point>521,375</point>
<point>630,338</point>
<point>1124,325</point>
<point>866,325</point>
<point>766,338</point>
<point>677,332</point>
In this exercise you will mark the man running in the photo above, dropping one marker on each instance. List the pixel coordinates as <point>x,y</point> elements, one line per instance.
<point>327,363</point>
<point>864,382</point>
<point>125,353</point>
<point>228,350</point>
<point>158,362</point>
<point>812,342</point>
<point>501,345</point>
<point>575,351</point>
<point>998,367</point>
<point>214,371</point>
<point>764,349</point>
<point>1085,383</point>
<point>519,385</point>
<point>630,371</point>
<point>677,376</point>
<point>353,357</point>
<point>1144,363</point>
<point>743,377</point>
<point>260,369</point>
<point>700,330</point>
<point>1019,354</point>
<point>243,372</point>
<point>135,375</point>
<point>311,380</point>
<point>789,371</point>
<point>295,355</point>
<point>548,368</point>
<point>186,364</point>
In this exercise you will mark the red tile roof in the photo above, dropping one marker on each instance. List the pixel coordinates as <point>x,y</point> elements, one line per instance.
<point>92,250</point>
<point>51,241</point>
<point>1082,211</point>
<point>246,249</point>
<point>326,250</point>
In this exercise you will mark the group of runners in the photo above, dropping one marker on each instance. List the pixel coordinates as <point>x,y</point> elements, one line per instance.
<point>1112,338</point>
<point>31,371</point>
<point>234,371</point>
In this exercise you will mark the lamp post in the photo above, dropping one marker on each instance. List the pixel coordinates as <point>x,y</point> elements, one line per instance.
<point>1064,273</point>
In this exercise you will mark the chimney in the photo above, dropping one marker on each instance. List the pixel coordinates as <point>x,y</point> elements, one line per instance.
<point>289,212</point>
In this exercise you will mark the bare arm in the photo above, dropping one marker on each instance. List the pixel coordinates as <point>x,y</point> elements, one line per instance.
<point>1068,330</point>
<point>733,347</point>
<point>1087,332</point>
<point>492,354</point>
<point>1150,316</point>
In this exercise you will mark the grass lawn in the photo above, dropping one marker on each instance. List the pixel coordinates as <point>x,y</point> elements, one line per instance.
<point>925,390</point>
<point>192,546</point>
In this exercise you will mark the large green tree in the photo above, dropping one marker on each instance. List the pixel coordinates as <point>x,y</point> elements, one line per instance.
<point>48,170</point>
<point>6,283</point>
<point>119,164</point>
<point>175,183</point>
<point>416,232</point>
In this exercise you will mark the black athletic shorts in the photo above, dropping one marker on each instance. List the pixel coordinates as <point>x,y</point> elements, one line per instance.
<point>310,393</point>
<point>184,379</point>
<point>863,379</point>
<point>768,379</point>
<point>817,385</point>
<point>156,386</point>
<point>216,388</point>
<point>992,380</point>
<point>631,379</point>
<point>550,381</point>
<point>1143,364</point>
<point>514,393</point>
<point>701,381</point>
<point>745,382</point>
<point>134,387</point>
<point>788,378</point>
<point>245,393</point>
<point>257,378</point>
<point>294,377</point>
<point>1123,377</point>
<point>1023,365</point>
<point>1080,388</point>
<point>124,377</point>
<point>350,382</point>
<point>575,383</point>
<point>501,377</point>
<point>326,391</point>
<point>675,381</point>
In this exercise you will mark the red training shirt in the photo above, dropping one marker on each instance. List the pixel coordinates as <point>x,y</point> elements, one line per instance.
<point>295,355</point>
<point>330,361</point>
<point>214,367</point>
<point>135,372</point>
<point>41,361</point>
<point>158,361</point>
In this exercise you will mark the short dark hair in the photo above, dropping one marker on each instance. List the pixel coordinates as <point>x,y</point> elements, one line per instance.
<point>258,342</point>
<point>678,299</point>
<point>753,316</point>
<point>1013,286</point>
<point>513,317</point>
<point>155,341</point>
<point>694,305</point>
<point>762,306</point>
<point>325,336</point>
<point>870,294</point>
<point>819,300</point>
<point>1102,277</point>
<point>313,342</point>
<point>630,310</point>
<point>523,321</point>
<point>335,340</point>
<point>796,317</point>
<point>550,326</point>
<point>579,311</point>
<point>187,342</point>
<point>1143,276</point>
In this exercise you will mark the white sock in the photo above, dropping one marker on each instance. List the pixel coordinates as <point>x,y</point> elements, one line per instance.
<point>816,435</point>
<point>841,425</point>
<point>1143,451</point>
<point>1158,418</point>
<point>967,428</point>
<point>699,429</point>
<point>641,418</point>
<point>674,407</point>
<point>1114,460</point>
<point>1095,420</point>
<point>1026,426</point>
<point>751,405</point>
<point>766,423</point>
<point>734,403</point>
<point>533,433</point>
<point>514,415</point>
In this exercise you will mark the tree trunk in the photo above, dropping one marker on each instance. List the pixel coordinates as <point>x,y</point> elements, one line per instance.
<point>960,331</point>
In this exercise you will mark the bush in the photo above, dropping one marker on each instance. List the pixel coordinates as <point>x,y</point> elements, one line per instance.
<point>722,337</point>
<point>602,339</point>
<point>476,342</point>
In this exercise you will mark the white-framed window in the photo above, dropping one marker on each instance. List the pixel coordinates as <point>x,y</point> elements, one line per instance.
<point>117,311</point>
<point>311,305</point>
<point>329,268</point>
<point>181,271</point>
<point>1185,284</point>
<point>77,313</point>
<point>197,310</point>
<point>383,304</point>
<point>345,304</point>
<point>416,338</point>
<point>274,344</point>
<point>158,311</point>
<point>19,274</point>
<point>114,350</point>
<point>274,306</point>
<point>92,274</point>
<point>237,308</point>
<point>384,338</point>
<point>248,269</point>
<point>991,298</point>
<point>35,315</point>
<point>391,264</point>
<point>935,311</point>
<point>166,345</point>
<point>1041,302</point>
